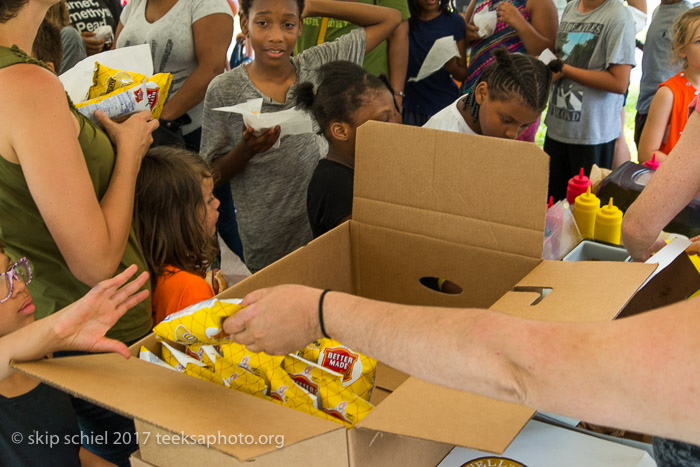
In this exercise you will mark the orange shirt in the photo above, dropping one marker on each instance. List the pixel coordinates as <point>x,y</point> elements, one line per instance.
<point>683,94</point>
<point>177,289</point>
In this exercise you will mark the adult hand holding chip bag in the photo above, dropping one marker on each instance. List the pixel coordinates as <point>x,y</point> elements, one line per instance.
<point>133,136</point>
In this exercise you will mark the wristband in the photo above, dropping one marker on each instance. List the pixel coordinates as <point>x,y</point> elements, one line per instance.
<point>320,314</point>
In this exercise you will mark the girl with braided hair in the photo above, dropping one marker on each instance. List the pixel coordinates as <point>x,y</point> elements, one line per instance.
<point>507,98</point>
<point>346,97</point>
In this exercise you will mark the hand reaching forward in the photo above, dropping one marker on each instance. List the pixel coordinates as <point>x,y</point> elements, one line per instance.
<point>82,325</point>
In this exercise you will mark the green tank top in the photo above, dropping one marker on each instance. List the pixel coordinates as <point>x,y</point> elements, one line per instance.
<point>24,232</point>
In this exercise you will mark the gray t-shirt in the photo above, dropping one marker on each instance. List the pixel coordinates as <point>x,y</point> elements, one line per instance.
<point>171,40</point>
<point>657,65</point>
<point>73,48</point>
<point>270,192</point>
<point>595,40</point>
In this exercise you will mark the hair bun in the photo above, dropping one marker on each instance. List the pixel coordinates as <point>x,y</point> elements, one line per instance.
<point>555,66</point>
<point>304,95</point>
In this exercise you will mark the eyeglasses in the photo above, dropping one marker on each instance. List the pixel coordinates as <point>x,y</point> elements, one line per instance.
<point>19,271</point>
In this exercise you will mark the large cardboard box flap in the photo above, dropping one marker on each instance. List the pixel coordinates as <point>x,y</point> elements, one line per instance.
<point>466,189</point>
<point>578,292</point>
<point>176,402</point>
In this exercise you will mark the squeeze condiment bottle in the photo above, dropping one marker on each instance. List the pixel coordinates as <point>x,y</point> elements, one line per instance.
<point>608,224</point>
<point>585,208</point>
<point>577,186</point>
<point>652,164</point>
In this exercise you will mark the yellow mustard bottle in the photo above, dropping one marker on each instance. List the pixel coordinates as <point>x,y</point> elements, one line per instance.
<point>585,208</point>
<point>608,224</point>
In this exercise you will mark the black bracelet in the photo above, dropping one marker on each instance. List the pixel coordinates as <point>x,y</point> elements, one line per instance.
<point>320,313</point>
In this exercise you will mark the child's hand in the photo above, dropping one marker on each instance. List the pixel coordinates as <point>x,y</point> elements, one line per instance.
<point>257,144</point>
<point>507,13</point>
<point>472,33</point>
<point>82,325</point>
<point>92,45</point>
<point>558,75</point>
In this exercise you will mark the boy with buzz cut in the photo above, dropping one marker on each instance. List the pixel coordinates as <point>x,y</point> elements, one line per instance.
<point>596,42</point>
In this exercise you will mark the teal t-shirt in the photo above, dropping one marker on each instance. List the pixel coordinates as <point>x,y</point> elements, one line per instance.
<point>376,61</point>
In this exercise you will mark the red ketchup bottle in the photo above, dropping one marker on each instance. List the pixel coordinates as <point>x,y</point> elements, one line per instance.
<point>577,186</point>
<point>652,164</point>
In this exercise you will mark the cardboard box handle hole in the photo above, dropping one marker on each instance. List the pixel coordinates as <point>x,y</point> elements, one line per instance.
<point>542,291</point>
<point>441,285</point>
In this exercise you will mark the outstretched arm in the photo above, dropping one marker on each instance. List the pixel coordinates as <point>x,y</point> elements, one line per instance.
<point>655,126</point>
<point>80,326</point>
<point>537,34</point>
<point>212,35</point>
<point>379,21</point>
<point>638,373</point>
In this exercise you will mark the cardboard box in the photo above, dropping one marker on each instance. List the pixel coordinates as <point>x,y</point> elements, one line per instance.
<point>135,460</point>
<point>427,203</point>
<point>544,445</point>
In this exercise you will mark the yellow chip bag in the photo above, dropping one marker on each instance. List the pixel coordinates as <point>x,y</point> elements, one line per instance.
<point>237,378</point>
<point>257,363</point>
<point>201,323</point>
<point>148,356</point>
<point>106,80</point>
<point>343,404</point>
<point>188,365</point>
<point>284,391</point>
<point>308,375</point>
<point>207,354</point>
<point>119,104</point>
<point>358,370</point>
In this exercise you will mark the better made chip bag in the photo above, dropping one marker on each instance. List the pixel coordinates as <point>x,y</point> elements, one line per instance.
<point>240,379</point>
<point>257,363</point>
<point>308,375</point>
<point>357,370</point>
<point>188,365</point>
<point>342,403</point>
<point>201,323</point>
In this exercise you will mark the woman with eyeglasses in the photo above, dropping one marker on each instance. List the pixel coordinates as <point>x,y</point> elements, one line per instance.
<point>66,185</point>
<point>27,407</point>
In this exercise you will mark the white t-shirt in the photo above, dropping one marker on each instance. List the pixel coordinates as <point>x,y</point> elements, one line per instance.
<point>171,40</point>
<point>449,119</point>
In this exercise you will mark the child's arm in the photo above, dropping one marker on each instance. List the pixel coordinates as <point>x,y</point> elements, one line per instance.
<point>457,66</point>
<point>537,34</point>
<point>656,124</point>
<point>615,79</point>
<point>379,22</point>
<point>398,60</point>
<point>80,326</point>
<point>472,30</point>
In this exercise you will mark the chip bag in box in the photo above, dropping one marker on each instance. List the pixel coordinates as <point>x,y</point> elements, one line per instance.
<point>201,323</point>
<point>358,370</point>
